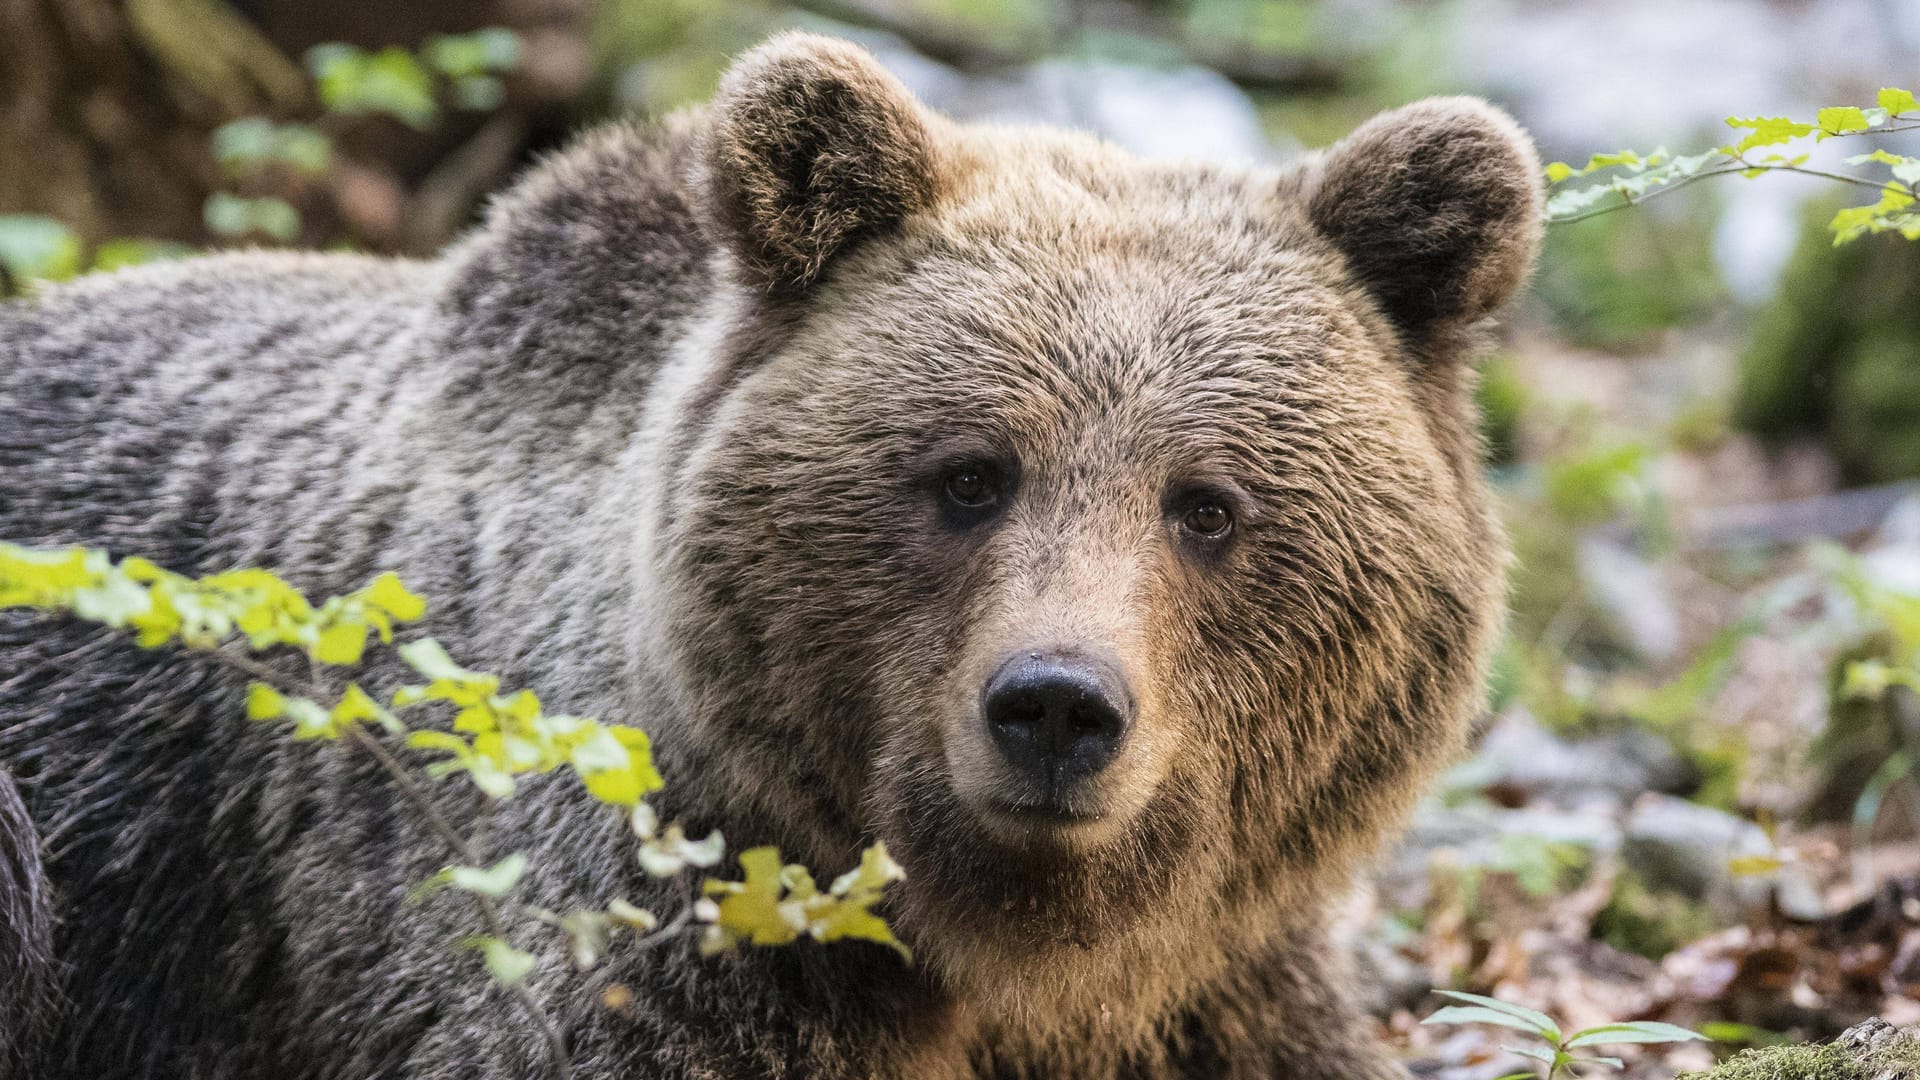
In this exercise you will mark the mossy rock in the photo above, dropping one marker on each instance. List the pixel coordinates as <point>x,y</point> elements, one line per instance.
<point>1875,1050</point>
<point>1836,355</point>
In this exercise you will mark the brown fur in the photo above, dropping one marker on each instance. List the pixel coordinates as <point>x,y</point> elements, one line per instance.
<point>668,437</point>
<point>1112,329</point>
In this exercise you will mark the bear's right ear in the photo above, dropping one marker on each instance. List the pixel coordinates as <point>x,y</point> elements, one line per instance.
<point>810,147</point>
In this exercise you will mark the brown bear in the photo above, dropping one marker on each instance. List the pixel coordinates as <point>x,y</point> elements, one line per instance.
<point>1106,536</point>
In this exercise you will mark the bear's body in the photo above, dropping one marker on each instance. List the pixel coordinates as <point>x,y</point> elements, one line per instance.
<point>695,449</point>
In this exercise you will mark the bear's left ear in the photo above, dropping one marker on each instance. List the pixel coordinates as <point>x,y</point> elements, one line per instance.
<point>1437,207</point>
<point>811,145</point>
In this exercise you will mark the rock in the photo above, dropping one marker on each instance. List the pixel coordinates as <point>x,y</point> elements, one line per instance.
<point>1633,592</point>
<point>1893,560</point>
<point>1873,1050</point>
<point>1482,835</point>
<point>1688,849</point>
<point>1518,759</point>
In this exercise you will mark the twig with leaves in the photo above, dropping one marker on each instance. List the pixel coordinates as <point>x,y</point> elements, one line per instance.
<point>1635,178</point>
<point>241,618</point>
<point>1556,1050</point>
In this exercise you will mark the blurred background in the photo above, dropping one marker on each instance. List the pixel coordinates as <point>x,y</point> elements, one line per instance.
<point>1695,795</point>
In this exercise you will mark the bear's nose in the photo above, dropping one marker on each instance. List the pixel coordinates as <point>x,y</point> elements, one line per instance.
<point>1057,718</point>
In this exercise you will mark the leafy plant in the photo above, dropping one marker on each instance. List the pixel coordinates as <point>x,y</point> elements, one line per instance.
<point>1556,1050</point>
<point>34,247</point>
<point>1891,621</point>
<point>255,623</point>
<point>1633,178</point>
<point>269,162</point>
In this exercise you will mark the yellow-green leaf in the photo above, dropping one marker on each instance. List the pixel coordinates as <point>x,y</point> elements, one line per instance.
<point>494,881</point>
<point>264,702</point>
<point>1765,131</point>
<point>506,964</point>
<point>389,595</point>
<point>1842,120</point>
<point>341,643</point>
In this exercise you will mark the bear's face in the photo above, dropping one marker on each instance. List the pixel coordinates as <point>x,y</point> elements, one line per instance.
<point>1111,530</point>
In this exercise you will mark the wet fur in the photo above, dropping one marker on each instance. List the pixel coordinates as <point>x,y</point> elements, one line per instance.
<point>660,440</point>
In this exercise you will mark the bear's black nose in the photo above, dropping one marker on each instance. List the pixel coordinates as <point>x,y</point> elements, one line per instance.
<point>1057,718</point>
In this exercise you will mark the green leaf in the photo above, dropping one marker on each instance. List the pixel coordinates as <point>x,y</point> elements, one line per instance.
<point>389,595</point>
<point>390,81</point>
<point>495,881</point>
<point>264,702</point>
<point>1765,131</point>
<point>1905,169</point>
<point>636,917</point>
<point>1842,120</point>
<point>489,51</point>
<point>125,251</point>
<point>429,658</point>
<point>1538,1021</point>
<point>245,144</point>
<point>506,964</point>
<point>341,643</point>
<point>1643,1031</point>
<point>1897,101</point>
<point>1462,1014</point>
<point>311,720</point>
<point>1538,1053</point>
<point>227,214</point>
<point>34,247</point>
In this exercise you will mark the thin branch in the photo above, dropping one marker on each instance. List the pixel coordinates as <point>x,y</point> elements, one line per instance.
<point>1738,166</point>
<point>424,803</point>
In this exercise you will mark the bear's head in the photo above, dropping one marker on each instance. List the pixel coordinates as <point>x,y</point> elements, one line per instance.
<point>1105,535</point>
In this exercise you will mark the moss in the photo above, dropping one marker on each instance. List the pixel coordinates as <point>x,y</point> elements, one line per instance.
<point>1872,1051</point>
<point>1825,1062</point>
<point>1652,924</point>
<point>1832,356</point>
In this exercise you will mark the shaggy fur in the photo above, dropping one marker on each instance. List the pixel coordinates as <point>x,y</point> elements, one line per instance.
<point>26,935</point>
<point>666,440</point>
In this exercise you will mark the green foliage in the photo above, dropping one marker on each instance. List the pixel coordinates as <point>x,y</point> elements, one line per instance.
<point>352,81</point>
<point>268,163</point>
<point>472,64</point>
<point>34,247</point>
<point>1555,1050</point>
<point>1503,399</point>
<point>236,216</point>
<point>1810,1062</point>
<point>408,87</point>
<point>1633,177</point>
<point>1592,485</point>
<point>1652,924</point>
<point>494,736</point>
<point>1831,358</point>
<point>777,904</point>
<point>1864,734</point>
<point>248,146</point>
<point>1617,282</point>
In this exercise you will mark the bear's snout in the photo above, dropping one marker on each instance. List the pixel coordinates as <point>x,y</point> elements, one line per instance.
<point>1057,719</point>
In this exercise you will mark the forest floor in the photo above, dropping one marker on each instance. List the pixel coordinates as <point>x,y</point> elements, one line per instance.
<point>1680,808</point>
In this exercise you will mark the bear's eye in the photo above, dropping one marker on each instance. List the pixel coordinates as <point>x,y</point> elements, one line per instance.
<point>971,487</point>
<point>1208,519</point>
